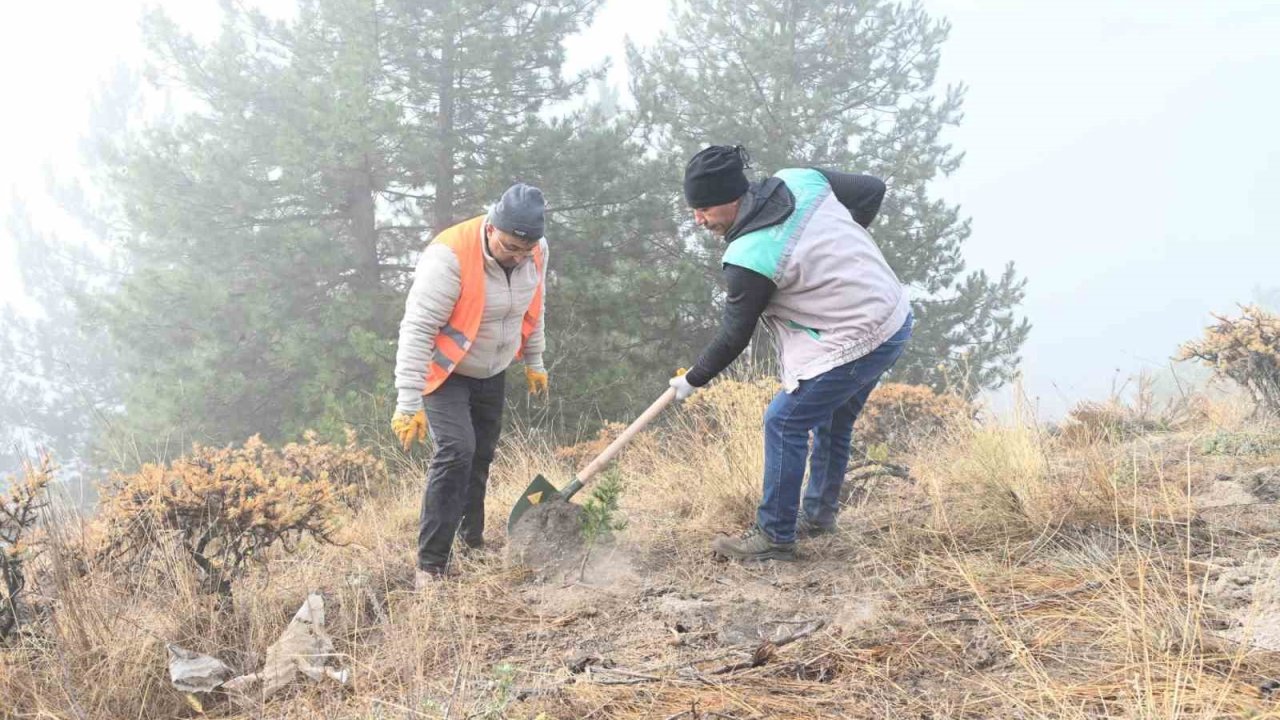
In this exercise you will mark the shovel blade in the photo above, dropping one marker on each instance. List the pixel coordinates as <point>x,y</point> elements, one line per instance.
<point>539,491</point>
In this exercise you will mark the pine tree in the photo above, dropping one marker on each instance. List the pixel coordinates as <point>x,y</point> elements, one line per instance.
<point>846,85</point>
<point>58,384</point>
<point>273,228</point>
<point>624,291</point>
<point>266,234</point>
<point>60,389</point>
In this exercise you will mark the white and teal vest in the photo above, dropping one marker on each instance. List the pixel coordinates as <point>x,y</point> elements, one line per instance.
<point>837,298</point>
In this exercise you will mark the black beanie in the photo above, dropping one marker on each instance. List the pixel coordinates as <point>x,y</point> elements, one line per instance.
<point>715,176</point>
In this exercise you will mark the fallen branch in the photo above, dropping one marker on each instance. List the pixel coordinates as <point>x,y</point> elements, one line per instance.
<point>620,671</point>
<point>538,620</point>
<point>767,650</point>
<point>760,655</point>
<point>865,469</point>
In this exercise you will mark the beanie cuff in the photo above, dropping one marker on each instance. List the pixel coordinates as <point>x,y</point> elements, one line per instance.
<point>705,192</point>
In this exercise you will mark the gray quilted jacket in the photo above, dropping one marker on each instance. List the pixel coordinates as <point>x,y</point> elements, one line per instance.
<point>437,284</point>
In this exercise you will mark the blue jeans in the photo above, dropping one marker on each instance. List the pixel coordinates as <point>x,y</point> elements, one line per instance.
<point>825,406</point>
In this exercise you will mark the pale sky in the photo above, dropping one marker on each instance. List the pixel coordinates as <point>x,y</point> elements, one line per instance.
<point>1122,153</point>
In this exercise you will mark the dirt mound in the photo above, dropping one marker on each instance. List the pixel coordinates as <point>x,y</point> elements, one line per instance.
<point>1225,492</point>
<point>1250,590</point>
<point>1244,502</point>
<point>548,539</point>
<point>728,621</point>
<point>1263,483</point>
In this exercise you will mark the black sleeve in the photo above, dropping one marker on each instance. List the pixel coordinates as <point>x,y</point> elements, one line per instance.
<point>862,194</point>
<point>747,295</point>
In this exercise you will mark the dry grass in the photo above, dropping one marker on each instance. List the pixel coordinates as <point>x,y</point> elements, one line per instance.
<point>1018,576</point>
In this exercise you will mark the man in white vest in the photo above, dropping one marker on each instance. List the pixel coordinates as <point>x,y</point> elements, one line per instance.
<point>798,256</point>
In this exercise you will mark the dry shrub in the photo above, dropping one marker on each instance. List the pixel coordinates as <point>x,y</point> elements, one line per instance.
<point>99,651</point>
<point>989,478</point>
<point>992,482</point>
<point>997,481</point>
<point>19,514</point>
<point>903,417</point>
<point>1246,350</point>
<point>579,454</point>
<point>1120,418</point>
<point>226,506</point>
<point>730,407</point>
<point>1109,421</point>
<point>349,467</point>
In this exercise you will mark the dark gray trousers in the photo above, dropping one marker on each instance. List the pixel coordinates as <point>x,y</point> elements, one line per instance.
<point>465,416</point>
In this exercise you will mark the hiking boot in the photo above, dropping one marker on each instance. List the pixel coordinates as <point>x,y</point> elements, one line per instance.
<point>427,577</point>
<point>753,546</point>
<point>807,528</point>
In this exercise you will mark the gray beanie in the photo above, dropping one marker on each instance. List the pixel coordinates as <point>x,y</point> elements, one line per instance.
<point>519,212</point>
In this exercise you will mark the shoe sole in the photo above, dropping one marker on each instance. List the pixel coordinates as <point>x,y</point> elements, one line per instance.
<point>783,555</point>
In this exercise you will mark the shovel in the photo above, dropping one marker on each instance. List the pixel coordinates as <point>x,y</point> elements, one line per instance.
<point>542,491</point>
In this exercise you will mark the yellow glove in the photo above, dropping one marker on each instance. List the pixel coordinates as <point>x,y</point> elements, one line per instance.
<point>410,427</point>
<point>538,382</point>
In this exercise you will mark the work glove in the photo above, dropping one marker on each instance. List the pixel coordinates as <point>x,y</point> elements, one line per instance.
<point>682,386</point>
<point>409,427</point>
<point>538,382</point>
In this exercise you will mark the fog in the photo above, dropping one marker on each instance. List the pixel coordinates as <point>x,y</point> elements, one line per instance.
<point>1119,154</point>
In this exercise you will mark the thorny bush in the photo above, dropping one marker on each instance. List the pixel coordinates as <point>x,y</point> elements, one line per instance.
<point>902,416</point>
<point>226,506</point>
<point>349,467</point>
<point>19,513</point>
<point>1246,350</point>
<point>730,407</point>
<point>581,453</point>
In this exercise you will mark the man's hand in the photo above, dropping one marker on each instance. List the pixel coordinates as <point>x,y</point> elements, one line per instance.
<point>538,382</point>
<point>682,386</point>
<point>409,427</point>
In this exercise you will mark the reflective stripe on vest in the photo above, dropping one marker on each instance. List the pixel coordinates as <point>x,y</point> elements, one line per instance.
<point>466,239</point>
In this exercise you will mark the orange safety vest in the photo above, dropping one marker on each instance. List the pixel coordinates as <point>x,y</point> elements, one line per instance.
<point>466,239</point>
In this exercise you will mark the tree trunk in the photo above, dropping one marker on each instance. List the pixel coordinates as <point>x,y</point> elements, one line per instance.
<point>364,237</point>
<point>442,215</point>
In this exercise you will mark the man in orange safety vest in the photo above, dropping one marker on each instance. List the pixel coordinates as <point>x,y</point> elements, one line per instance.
<point>476,305</point>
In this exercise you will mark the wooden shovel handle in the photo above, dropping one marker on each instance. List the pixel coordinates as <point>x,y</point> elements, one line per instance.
<point>621,441</point>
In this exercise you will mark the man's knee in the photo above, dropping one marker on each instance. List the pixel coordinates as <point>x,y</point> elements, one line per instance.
<point>778,422</point>
<point>484,451</point>
<point>455,450</point>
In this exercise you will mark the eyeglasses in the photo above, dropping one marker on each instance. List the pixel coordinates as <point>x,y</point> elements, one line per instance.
<point>518,249</point>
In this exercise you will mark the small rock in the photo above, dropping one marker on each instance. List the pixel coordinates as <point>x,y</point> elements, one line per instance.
<point>579,661</point>
<point>1264,483</point>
